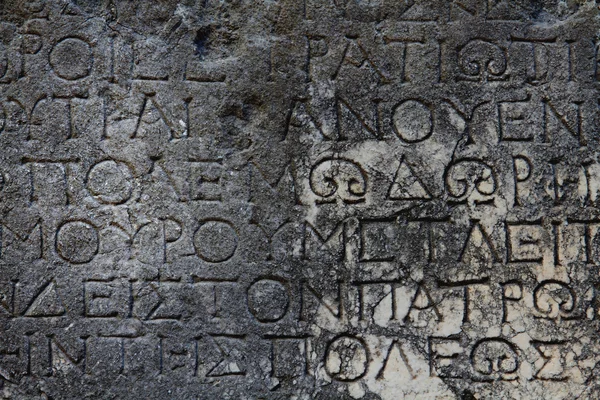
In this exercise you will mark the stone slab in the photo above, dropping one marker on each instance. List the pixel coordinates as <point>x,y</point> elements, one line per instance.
<point>299,199</point>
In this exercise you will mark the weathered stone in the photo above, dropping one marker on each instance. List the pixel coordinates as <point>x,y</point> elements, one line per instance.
<point>305,199</point>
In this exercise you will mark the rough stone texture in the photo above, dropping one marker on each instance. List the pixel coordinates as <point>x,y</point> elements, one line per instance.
<point>299,199</point>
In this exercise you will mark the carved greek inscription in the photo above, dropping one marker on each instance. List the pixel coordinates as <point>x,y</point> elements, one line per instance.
<point>320,198</point>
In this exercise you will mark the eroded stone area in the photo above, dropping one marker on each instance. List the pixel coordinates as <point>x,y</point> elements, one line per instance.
<point>299,199</point>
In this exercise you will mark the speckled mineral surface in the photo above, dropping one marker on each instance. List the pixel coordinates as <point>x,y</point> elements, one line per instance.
<point>299,199</point>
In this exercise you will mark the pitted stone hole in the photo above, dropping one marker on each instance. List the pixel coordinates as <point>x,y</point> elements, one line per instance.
<point>201,41</point>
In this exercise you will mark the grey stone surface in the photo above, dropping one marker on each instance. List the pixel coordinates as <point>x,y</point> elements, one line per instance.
<point>299,199</point>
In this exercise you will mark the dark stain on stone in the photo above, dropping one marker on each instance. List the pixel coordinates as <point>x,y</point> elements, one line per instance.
<point>202,40</point>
